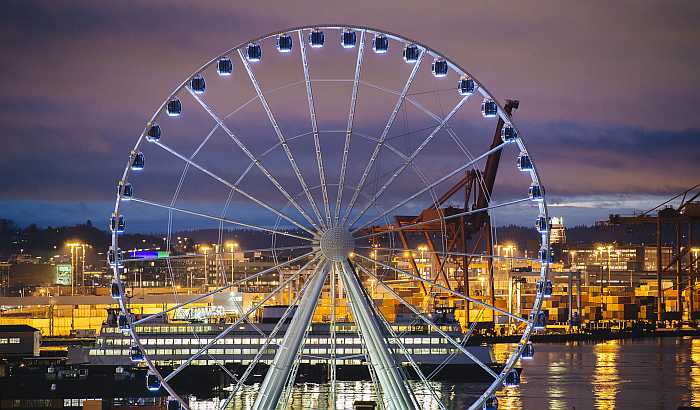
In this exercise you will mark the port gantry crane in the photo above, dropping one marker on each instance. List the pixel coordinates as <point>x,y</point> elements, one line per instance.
<point>470,232</point>
<point>687,214</point>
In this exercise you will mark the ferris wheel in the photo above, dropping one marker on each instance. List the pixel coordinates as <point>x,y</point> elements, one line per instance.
<point>333,144</point>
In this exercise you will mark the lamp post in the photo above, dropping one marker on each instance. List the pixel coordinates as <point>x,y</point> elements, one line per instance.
<point>231,246</point>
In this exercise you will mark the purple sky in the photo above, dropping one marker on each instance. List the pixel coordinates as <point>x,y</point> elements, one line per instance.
<point>608,90</point>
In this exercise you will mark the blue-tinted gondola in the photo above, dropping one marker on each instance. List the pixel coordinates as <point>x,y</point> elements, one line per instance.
<point>508,133</point>
<point>316,38</point>
<point>284,43</point>
<point>152,381</point>
<point>117,223</point>
<point>224,67</point>
<point>536,192</point>
<point>528,351</point>
<point>197,84</point>
<point>126,191</point>
<point>440,67</point>
<point>174,108</point>
<point>542,224</point>
<point>138,161</point>
<point>116,290</point>
<point>411,53</point>
<point>524,163</point>
<point>466,86</point>
<point>136,354</point>
<point>380,45</point>
<point>254,53</point>
<point>348,39</point>
<point>153,133</point>
<point>489,109</point>
<point>512,379</point>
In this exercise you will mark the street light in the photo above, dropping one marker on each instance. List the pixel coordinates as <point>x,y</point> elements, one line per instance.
<point>205,249</point>
<point>231,246</point>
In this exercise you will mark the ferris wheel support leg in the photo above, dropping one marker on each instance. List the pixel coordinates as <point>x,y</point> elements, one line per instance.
<point>392,382</point>
<point>280,369</point>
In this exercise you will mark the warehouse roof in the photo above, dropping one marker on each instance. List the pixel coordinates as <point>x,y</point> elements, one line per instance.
<point>17,328</point>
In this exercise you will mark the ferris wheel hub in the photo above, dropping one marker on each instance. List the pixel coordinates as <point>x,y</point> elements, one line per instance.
<point>337,243</point>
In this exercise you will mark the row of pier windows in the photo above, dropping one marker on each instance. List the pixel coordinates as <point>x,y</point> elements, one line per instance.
<point>251,352</point>
<point>260,341</point>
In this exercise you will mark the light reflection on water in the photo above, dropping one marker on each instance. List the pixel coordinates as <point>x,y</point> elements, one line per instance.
<point>661,373</point>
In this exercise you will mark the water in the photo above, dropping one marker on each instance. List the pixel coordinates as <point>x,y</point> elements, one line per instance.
<point>660,373</point>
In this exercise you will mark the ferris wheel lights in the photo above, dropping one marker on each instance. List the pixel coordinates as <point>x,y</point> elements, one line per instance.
<point>152,381</point>
<point>197,84</point>
<point>380,45</point>
<point>111,257</point>
<point>512,379</point>
<point>466,86</point>
<point>490,403</point>
<point>411,53</point>
<point>536,192</point>
<point>284,43</point>
<point>174,108</point>
<point>173,404</point>
<point>138,161</point>
<point>116,290</point>
<point>153,133</point>
<point>489,109</point>
<point>117,223</point>
<point>316,38</point>
<point>440,67</point>
<point>545,256</point>
<point>524,163</point>
<point>348,39</point>
<point>508,133</point>
<point>224,67</point>
<point>254,53</point>
<point>123,322</point>
<point>528,351</point>
<point>545,288</point>
<point>136,354</point>
<point>542,224</point>
<point>125,190</point>
<point>540,320</point>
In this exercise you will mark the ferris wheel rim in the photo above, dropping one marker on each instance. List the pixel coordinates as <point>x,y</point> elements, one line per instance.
<point>507,118</point>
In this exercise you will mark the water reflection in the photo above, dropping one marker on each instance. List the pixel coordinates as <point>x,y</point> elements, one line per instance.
<point>695,372</point>
<point>606,380</point>
<point>615,374</point>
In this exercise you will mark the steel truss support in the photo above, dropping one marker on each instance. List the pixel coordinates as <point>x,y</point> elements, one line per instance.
<point>276,378</point>
<point>399,394</point>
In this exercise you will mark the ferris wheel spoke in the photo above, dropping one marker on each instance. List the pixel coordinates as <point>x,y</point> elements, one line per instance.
<point>450,253</point>
<point>411,158</point>
<point>252,157</point>
<point>234,187</point>
<point>281,372</point>
<point>223,288</point>
<point>268,341</point>
<point>280,137</point>
<point>392,381</point>
<point>220,219</point>
<point>314,127</point>
<point>444,218</point>
<point>432,185</point>
<point>232,326</point>
<point>441,287</point>
<point>405,351</point>
<point>429,322</point>
<point>351,122</point>
<point>385,132</point>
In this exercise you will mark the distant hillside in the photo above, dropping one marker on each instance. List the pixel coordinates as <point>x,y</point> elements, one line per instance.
<point>41,241</point>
